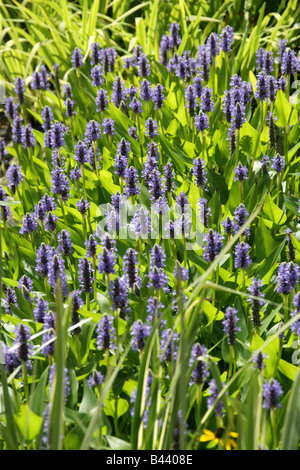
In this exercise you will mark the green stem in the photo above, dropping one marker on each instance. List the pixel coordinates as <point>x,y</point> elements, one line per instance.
<point>226,70</point>
<point>286,307</point>
<point>244,279</point>
<point>286,156</point>
<point>231,361</point>
<point>83,181</point>
<point>25,381</point>
<point>63,210</point>
<point>95,157</point>
<point>274,428</point>
<point>242,191</point>
<point>71,272</point>
<point>203,144</point>
<point>278,187</point>
<point>198,405</point>
<point>95,276</point>
<point>84,228</point>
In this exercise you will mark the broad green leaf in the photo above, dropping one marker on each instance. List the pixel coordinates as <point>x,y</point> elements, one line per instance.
<point>267,267</point>
<point>272,212</point>
<point>117,444</point>
<point>264,241</point>
<point>115,407</point>
<point>284,111</point>
<point>28,423</point>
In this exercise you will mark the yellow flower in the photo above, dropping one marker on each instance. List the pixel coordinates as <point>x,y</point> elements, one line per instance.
<point>217,436</point>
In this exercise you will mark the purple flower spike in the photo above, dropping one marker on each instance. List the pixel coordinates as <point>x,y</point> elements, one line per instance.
<point>201,121</point>
<point>200,371</point>
<point>145,90</point>
<point>287,277</point>
<point>256,304</point>
<point>139,333</point>
<point>97,77</point>
<point>131,181</point>
<point>228,225</point>
<point>143,66</point>
<point>230,325</point>
<point>92,131</point>
<point>278,163</point>
<point>50,221</point>
<point>207,104</point>
<point>190,100</point>
<point>226,38</point>
<point>11,108</point>
<point>119,92</point>
<point>83,206</point>
<point>151,127</point>
<point>56,135</point>
<point>14,176</point>
<point>29,224</point>
<point>85,275</point>
<point>96,379</point>
<point>101,100</point>
<point>158,96</point>
<point>212,245</point>
<point>118,293</point>
<point>242,258</point>
<point>158,279</point>
<point>213,394</point>
<point>40,310</point>
<point>106,333</point>
<point>262,89</point>
<point>108,126</point>
<point>199,172</point>
<point>60,183</point>
<point>272,392</point>
<point>106,262</point>
<point>290,62</point>
<point>241,172</point>
<point>25,349</point>
<point>240,216</point>
<point>10,298</point>
<point>77,58</point>
<point>131,269</point>
<point>70,107</point>
<point>56,269</point>
<point>136,105</point>
<point>20,89</point>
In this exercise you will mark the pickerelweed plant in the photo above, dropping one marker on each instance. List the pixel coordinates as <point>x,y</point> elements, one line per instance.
<point>150,243</point>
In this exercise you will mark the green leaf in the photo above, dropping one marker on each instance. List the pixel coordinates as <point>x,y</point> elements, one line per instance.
<point>116,407</point>
<point>272,212</point>
<point>250,416</point>
<point>265,271</point>
<point>117,444</point>
<point>39,397</point>
<point>284,111</point>
<point>264,241</point>
<point>287,369</point>
<point>28,423</point>
<point>140,32</point>
<point>89,399</point>
<point>291,423</point>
